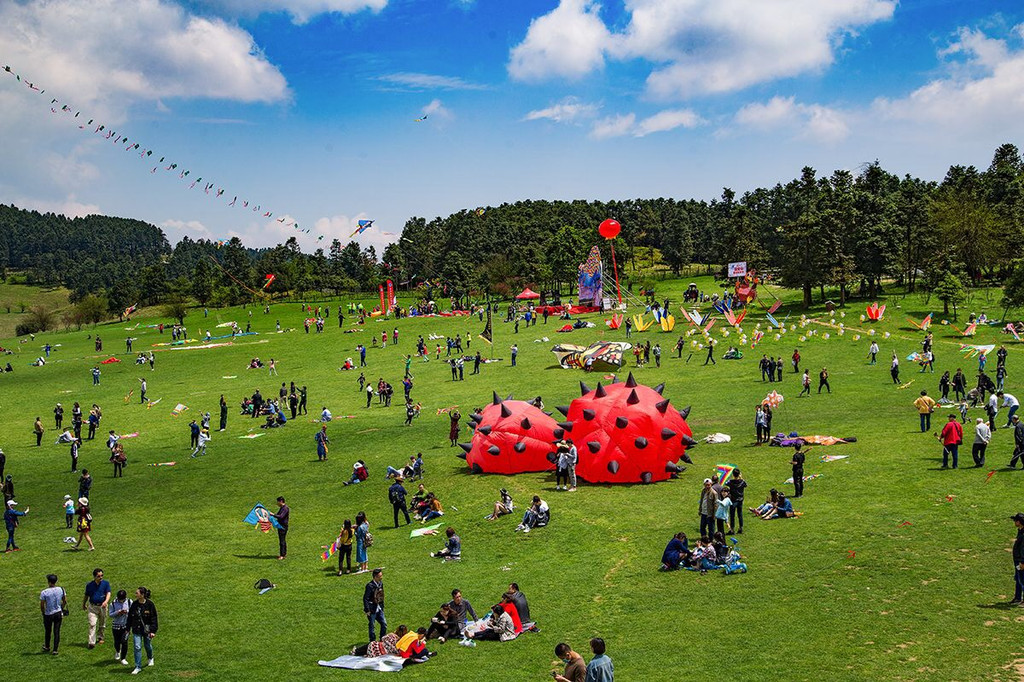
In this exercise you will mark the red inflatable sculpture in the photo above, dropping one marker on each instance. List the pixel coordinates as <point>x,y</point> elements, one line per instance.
<point>626,433</point>
<point>511,437</point>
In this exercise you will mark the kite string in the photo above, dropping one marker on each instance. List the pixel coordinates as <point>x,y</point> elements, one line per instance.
<point>235,279</point>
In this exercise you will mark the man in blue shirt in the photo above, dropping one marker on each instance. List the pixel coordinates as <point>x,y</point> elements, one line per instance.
<point>11,523</point>
<point>97,596</point>
<point>396,495</point>
<point>600,668</point>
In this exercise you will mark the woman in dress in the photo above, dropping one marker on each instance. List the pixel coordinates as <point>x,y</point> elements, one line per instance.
<point>84,523</point>
<point>453,431</point>
<point>362,530</point>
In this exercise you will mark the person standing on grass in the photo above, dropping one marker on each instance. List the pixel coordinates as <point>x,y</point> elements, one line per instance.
<point>282,514</point>
<point>95,601</point>
<point>362,533</point>
<point>575,666</point>
<point>453,428</point>
<point>143,387</point>
<point>798,471</point>
<point>1018,442</point>
<point>223,413</point>
<point>95,376</point>
<point>796,361</point>
<point>737,484</point>
<point>925,406</point>
<point>321,443</point>
<point>823,380</point>
<point>1018,560</point>
<point>952,436</point>
<point>706,508</point>
<point>302,400</point>
<point>345,547</point>
<point>84,526</point>
<point>373,603</point>
<point>118,613</point>
<point>515,354</point>
<point>142,621</point>
<point>75,445</point>
<point>806,381</point>
<point>396,495</point>
<point>11,524</point>
<point>53,602</point>
<point>600,668</point>
<point>992,408</point>
<point>982,436</point>
<point>38,429</point>
<point>58,416</point>
<point>873,352</point>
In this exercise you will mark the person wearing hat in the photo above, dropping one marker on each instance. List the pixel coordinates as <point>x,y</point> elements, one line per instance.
<point>1018,442</point>
<point>1018,560</point>
<point>396,495</point>
<point>84,523</point>
<point>11,523</point>
<point>706,508</point>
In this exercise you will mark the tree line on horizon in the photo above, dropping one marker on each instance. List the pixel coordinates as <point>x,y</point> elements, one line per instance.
<point>846,231</point>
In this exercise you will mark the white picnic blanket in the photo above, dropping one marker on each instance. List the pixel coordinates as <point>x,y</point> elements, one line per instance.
<point>384,664</point>
<point>718,438</point>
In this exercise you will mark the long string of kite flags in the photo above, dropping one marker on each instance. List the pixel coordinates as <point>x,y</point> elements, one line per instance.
<point>131,144</point>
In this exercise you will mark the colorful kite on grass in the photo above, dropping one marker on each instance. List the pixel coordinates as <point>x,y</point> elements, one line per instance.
<point>758,335</point>
<point>668,323</point>
<point>1010,328</point>
<point>773,400</point>
<point>971,329</point>
<point>253,435</point>
<point>973,351</point>
<point>163,464</point>
<point>615,322</point>
<point>875,312</point>
<point>362,226</point>
<point>923,324</point>
<point>178,409</point>
<point>733,318</point>
<point>331,550</point>
<point>772,320</point>
<point>806,478</point>
<point>429,530</point>
<point>259,516</point>
<point>832,458</point>
<point>640,325</point>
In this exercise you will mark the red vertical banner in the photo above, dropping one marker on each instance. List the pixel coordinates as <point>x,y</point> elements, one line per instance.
<point>380,287</point>
<point>391,296</point>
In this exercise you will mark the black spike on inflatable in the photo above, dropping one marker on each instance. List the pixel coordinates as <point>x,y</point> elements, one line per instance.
<point>613,467</point>
<point>461,455</point>
<point>646,477</point>
<point>494,450</point>
<point>689,441</point>
<point>476,417</point>
<point>685,412</point>
<point>599,392</point>
<point>566,425</point>
<point>659,388</point>
<point>564,409</point>
<point>466,446</point>
<point>505,412</point>
<point>633,398</point>
<point>630,381</point>
<point>672,467</point>
<point>477,469</point>
<point>525,424</point>
<point>486,430</point>
<point>621,422</point>
<point>686,458</point>
<point>509,397</point>
<point>589,414</point>
<point>593,446</point>
<point>584,389</point>
<point>558,433</point>
<point>496,400</point>
<point>640,442</point>
<point>552,457</point>
<point>662,405</point>
<point>519,447</point>
<point>667,433</point>
<point>614,381</point>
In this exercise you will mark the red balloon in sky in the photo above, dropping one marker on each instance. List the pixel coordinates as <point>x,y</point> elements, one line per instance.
<point>609,229</point>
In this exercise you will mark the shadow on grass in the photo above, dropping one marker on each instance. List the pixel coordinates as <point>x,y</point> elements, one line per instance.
<point>1000,606</point>
<point>255,556</point>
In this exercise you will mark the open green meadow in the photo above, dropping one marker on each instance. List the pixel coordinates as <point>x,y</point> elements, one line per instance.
<point>897,570</point>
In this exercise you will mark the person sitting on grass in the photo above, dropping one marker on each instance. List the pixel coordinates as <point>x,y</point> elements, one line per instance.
<point>769,504</point>
<point>405,472</point>
<point>783,509</point>
<point>386,646</point>
<point>503,506</point>
<point>703,557</point>
<point>676,552</point>
<point>508,604</point>
<point>419,501</point>
<point>721,549</point>
<point>499,627</point>
<point>359,473</point>
<point>452,549</point>
<point>444,625</point>
<point>432,510</point>
<point>536,516</point>
<point>413,648</point>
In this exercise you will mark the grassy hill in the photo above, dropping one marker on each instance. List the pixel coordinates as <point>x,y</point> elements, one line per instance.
<point>896,570</point>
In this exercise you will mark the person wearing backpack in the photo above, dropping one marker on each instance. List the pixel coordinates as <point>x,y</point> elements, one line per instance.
<point>373,603</point>
<point>53,602</point>
<point>396,494</point>
<point>363,541</point>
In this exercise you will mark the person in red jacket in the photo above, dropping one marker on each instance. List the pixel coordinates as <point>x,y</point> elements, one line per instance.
<point>952,436</point>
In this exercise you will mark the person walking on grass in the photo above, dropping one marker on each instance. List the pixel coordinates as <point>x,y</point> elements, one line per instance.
<point>711,353</point>
<point>1018,560</point>
<point>1011,402</point>
<point>363,540</point>
<point>95,601</point>
<point>982,437</point>
<point>894,368</point>
<point>823,380</point>
<point>925,406</point>
<point>873,352</point>
<point>345,547</point>
<point>84,526</point>
<point>1018,442</point>
<point>952,436</point>
<point>396,495</point>
<point>53,602</point>
<point>142,620</point>
<point>806,381</point>
<point>322,442</point>
<point>11,524</point>
<point>118,613</point>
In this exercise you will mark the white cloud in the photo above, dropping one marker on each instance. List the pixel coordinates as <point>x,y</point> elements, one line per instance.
<point>568,42</point>
<point>983,89</point>
<point>429,81</point>
<point>69,206</point>
<point>437,110</point>
<point>97,52</point>
<point>613,126</point>
<point>176,229</point>
<point>813,121</point>
<point>341,226</point>
<point>568,110</point>
<point>663,121</point>
<point>694,46</point>
<point>300,11</point>
<point>669,119</point>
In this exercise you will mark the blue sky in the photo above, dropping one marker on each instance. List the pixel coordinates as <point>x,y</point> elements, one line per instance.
<point>308,107</point>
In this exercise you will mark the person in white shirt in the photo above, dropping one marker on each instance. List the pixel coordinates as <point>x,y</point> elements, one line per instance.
<point>538,514</point>
<point>992,408</point>
<point>1011,402</point>
<point>326,415</point>
<point>204,438</point>
<point>112,440</point>
<point>982,436</point>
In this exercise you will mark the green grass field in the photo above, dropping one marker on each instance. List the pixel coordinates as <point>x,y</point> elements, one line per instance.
<point>12,297</point>
<point>846,592</point>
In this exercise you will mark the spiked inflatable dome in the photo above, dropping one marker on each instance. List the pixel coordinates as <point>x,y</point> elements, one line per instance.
<point>511,437</point>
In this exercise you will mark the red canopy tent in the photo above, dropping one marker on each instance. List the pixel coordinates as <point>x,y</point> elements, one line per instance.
<point>527,293</point>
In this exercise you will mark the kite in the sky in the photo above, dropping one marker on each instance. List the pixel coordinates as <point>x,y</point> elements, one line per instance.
<point>422,118</point>
<point>363,226</point>
<point>270,280</point>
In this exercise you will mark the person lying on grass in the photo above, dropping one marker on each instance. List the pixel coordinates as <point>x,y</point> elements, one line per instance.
<point>386,646</point>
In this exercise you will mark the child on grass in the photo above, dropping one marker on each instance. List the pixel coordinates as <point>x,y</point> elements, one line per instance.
<point>69,511</point>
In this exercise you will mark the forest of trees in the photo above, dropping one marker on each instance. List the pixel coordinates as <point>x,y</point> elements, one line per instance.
<point>846,231</point>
